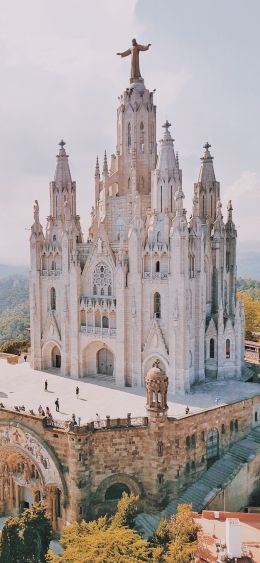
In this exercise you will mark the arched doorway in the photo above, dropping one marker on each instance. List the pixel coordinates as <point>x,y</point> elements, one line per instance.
<point>115,491</point>
<point>105,362</point>
<point>56,357</point>
<point>212,446</point>
<point>51,356</point>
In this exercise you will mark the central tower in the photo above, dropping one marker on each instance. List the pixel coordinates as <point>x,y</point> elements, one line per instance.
<point>136,139</point>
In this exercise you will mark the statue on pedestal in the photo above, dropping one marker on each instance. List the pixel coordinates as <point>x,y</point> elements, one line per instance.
<point>134,52</point>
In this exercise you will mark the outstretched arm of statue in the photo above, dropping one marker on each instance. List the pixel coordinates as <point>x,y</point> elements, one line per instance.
<point>125,53</point>
<point>144,47</point>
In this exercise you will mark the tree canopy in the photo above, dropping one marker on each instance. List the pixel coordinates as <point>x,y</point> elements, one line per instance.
<point>113,539</point>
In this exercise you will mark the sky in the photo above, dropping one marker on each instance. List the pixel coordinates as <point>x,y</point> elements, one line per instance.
<point>61,78</point>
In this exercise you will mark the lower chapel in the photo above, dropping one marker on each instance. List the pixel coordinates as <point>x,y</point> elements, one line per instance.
<point>81,472</point>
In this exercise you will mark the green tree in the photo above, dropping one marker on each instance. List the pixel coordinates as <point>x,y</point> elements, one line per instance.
<point>127,509</point>
<point>26,539</point>
<point>10,541</point>
<point>252,313</point>
<point>36,533</point>
<point>15,346</point>
<point>105,540</point>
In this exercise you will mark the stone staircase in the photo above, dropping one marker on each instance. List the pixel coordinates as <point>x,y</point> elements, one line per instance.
<point>210,483</point>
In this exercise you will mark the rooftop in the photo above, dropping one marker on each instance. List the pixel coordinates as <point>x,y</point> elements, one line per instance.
<point>21,385</point>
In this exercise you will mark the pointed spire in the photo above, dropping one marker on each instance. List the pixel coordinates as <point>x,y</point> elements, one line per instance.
<point>105,166</point>
<point>97,172</point>
<point>62,174</point>
<point>177,159</point>
<point>179,197</point>
<point>229,209</point>
<point>207,173</point>
<point>166,158</point>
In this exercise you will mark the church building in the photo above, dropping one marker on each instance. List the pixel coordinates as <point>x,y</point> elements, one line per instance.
<point>146,283</point>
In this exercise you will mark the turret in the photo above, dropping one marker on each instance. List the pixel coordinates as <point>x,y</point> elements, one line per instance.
<point>207,188</point>
<point>156,382</point>
<point>62,189</point>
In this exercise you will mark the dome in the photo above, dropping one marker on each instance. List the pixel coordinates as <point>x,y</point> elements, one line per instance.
<point>156,373</point>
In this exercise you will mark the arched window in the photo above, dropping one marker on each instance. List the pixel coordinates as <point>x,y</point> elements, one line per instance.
<point>129,184</point>
<point>105,322</point>
<point>227,349</point>
<point>161,199</point>
<point>157,266</point>
<point>53,265</point>
<point>159,237</point>
<point>53,299</point>
<point>94,290</point>
<point>212,348</point>
<point>211,206</point>
<point>171,200</point>
<point>187,468</point>
<point>157,305</point>
<point>120,228</point>
<point>102,291</point>
<point>142,136</point>
<point>227,260</point>
<point>129,135</point>
<point>109,291</point>
<point>54,238</point>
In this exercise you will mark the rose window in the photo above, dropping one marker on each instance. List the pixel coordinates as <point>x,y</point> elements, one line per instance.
<point>102,276</point>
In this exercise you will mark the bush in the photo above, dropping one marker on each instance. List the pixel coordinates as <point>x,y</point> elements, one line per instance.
<point>15,346</point>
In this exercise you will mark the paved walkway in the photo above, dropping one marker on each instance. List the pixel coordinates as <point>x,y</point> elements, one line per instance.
<point>20,385</point>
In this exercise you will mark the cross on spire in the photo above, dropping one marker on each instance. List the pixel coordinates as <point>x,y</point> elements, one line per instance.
<point>207,146</point>
<point>166,125</point>
<point>62,144</point>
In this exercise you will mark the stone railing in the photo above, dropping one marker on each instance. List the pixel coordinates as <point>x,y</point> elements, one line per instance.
<point>102,424</point>
<point>155,276</point>
<point>51,273</point>
<point>100,331</point>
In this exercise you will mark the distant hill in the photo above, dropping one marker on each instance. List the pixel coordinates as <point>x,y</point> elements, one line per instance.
<point>14,307</point>
<point>248,260</point>
<point>6,270</point>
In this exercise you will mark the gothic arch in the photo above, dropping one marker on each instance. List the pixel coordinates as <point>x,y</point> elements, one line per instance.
<point>90,357</point>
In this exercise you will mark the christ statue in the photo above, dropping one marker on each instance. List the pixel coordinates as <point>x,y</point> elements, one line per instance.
<point>134,52</point>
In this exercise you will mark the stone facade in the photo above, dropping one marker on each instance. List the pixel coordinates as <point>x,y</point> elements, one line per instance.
<point>80,472</point>
<point>146,283</point>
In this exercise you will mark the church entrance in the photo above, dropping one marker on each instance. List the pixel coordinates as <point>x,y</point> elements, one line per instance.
<point>105,362</point>
<point>56,357</point>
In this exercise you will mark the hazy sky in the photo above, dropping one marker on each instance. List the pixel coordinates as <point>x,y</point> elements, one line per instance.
<point>60,77</point>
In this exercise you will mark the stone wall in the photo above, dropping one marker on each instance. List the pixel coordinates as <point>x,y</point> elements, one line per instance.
<point>149,457</point>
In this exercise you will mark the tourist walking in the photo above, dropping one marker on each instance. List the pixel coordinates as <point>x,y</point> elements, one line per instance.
<point>25,358</point>
<point>45,385</point>
<point>40,409</point>
<point>77,392</point>
<point>98,419</point>
<point>57,404</point>
<point>79,420</point>
<point>48,412</point>
<point>187,410</point>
